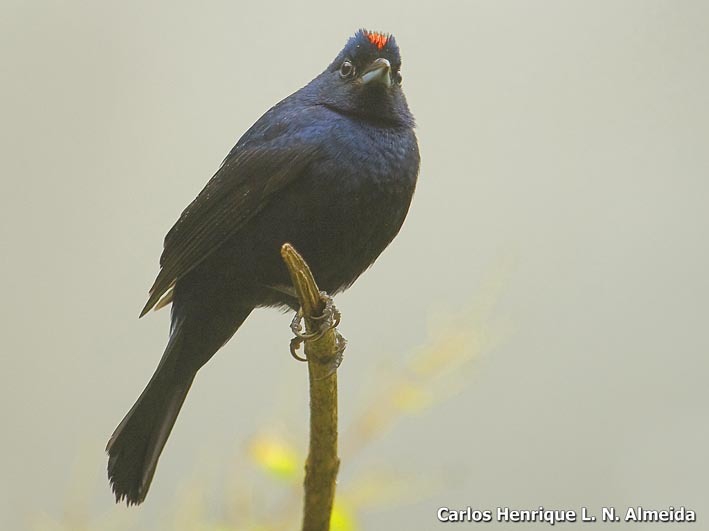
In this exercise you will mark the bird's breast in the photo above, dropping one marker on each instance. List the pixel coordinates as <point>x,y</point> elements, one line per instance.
<point>360,194</point>
<point>340,214</point>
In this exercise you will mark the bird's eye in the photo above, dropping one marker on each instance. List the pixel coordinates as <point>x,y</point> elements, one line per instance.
<point>397,78</point>
<point>347,69</point>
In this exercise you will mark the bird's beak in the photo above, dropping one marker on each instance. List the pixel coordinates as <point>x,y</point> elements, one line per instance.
<point>378,72</point>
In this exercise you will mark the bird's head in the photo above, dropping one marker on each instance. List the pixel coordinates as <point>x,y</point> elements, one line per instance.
<point>365,80</point>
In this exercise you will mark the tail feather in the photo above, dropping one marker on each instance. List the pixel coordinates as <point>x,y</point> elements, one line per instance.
<point>135,446</point>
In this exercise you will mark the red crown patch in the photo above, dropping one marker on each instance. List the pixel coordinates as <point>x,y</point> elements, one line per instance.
<point>377,39</point>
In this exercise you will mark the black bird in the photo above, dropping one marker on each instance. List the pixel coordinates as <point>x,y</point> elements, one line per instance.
<point>332,170</point>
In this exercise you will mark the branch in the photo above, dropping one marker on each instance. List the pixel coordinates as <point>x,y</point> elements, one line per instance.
<point>322,464</point>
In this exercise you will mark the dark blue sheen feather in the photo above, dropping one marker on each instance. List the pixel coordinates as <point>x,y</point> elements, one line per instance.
<point>330,169</point>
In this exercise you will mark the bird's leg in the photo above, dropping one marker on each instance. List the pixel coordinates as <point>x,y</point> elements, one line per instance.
<point>330,318</point>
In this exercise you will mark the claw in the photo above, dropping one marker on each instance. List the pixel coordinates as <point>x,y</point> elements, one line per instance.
<point>339,356</point>
<point>330,318</point>
<point>330,313</point>
<point>297,328</point>
<point>294,346</point>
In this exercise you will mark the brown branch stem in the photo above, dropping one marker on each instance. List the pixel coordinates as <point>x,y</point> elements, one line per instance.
<point>323,463</point>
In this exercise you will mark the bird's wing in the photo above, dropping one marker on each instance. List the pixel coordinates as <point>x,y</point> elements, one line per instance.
<point>248,177</point>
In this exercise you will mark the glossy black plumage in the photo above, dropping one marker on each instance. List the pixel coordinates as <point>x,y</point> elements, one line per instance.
<point>330,169</point>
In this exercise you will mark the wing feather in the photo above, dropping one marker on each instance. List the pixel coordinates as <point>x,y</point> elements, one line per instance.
<point>246,181</point>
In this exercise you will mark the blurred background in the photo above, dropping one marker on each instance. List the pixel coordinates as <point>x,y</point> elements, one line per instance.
<point>537,334</point>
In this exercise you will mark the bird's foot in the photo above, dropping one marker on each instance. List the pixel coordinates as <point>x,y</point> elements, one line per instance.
<point>329,319</point>
<point>334,363</point>
<point>336,360</point>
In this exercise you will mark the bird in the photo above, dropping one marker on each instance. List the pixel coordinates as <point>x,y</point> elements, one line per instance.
<point>330,169</point>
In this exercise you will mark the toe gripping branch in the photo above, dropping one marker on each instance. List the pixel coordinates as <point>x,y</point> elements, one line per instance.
<point>329,319</point>
<point>318,311</point>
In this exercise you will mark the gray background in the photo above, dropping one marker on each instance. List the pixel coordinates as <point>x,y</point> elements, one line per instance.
<point>559,230</point>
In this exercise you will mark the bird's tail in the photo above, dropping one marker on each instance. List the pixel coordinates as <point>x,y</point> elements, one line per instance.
<point>135,446</point>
